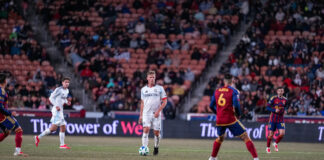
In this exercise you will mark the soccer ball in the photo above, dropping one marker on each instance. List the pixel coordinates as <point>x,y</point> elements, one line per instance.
<point>143,151</point>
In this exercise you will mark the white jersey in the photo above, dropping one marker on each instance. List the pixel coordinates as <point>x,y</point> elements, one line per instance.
<point>58,98</point>
<point>152,98</point>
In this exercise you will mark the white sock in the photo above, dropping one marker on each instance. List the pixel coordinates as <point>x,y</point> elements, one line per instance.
<point>18,149</point>
<point>44,133</point>
<point>157,141</point>
<point>255,158</point>
<point>145,139</point>
<point>62,136</point>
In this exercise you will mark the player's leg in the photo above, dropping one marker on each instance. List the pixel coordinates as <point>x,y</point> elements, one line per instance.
<point>249,145</point>
<point>271,129</point>
<point>44,133</point>
<point>157,139</point>
<point>145,135</point>
<point>5,127</point>
<point>157,136</point>
<point>281,128</point>
<point>218,142</point>
<point>146,129</point>
<point>18,140</point>
<point>62,137</point>
<point>4,133</point>
<point>239,130</point>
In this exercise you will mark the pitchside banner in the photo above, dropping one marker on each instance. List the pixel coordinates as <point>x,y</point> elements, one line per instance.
<point>171,129</point>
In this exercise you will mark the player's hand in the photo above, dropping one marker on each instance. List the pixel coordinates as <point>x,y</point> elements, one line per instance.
<point>58,108</point>
<point>277,110</point>
<point>14,113</point>
<point>156,114</point>
<point>140,120</point>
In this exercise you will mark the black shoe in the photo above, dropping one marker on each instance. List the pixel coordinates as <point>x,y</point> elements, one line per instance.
<point>156,151</point>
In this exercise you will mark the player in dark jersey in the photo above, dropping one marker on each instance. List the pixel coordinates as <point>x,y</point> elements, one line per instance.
<point>225,103</point>
<point>276,106</point>
<point>7,122</point>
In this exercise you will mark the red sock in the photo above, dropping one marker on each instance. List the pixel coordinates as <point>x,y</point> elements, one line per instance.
<point>3,136</point>
<point>268,141</point>
<point>279,138</point>
<point>216,147</point>
<point>251,148</point>
<point>18,139</point>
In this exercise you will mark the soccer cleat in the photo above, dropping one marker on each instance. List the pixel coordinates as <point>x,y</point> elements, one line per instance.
<point>64,147</point>
<point>212,158</point>
<point>275,145</point>
<point>20,154</point>
<point>36,141</point>
<point>156,151</point>
<point>268,150</point>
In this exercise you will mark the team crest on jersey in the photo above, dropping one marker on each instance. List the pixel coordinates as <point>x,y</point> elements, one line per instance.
<point>155,90</point>
<point>146,91</point>
<point>276,101</point>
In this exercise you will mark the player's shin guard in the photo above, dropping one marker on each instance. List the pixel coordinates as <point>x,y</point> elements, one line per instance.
<point>157,141</point>
<point>269,139</point>
<point>145,139</point>
<point>279,138</point>
<point>216,147</point>
<point>46,132</point>
<point>3,136</point>
<point>250,146</point>
<point>62,136</point>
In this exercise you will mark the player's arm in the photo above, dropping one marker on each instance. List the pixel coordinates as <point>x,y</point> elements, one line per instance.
<point>142,107</point>
<point>141,112</point>
<point>284,108</point>
<point>270,103</point>
<point>212,104</point>
<point>53,97</point>
<point>236,103</point>
<point>163,104</point>
<point>3,110</point>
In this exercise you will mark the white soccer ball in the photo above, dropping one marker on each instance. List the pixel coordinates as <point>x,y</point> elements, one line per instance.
<point>143,151</point>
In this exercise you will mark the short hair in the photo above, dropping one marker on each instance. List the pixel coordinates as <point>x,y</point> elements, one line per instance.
<point>2,78</point>
<point>279,88</point>
<point>228,77</point>
<point>66,78</point>
<point>151,72</point>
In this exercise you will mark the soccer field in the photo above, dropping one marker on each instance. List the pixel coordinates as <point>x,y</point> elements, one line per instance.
<point>109,148</point>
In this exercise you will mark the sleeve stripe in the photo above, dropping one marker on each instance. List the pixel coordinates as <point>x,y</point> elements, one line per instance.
<point>164,98</point>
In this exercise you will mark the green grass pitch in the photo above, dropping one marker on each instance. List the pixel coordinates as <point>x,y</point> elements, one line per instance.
<point>122,148</point>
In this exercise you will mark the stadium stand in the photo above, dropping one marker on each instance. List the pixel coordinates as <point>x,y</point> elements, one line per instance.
<point>31,76</point>
<point>283,47</point>
<point>111,44</point>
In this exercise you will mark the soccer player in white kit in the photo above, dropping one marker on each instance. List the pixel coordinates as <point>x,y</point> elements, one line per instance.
<point>153,100</point>
<point>58,98</point>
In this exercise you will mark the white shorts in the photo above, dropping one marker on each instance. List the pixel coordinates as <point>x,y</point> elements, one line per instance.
<point>58,120</point>
<point>150,121</point>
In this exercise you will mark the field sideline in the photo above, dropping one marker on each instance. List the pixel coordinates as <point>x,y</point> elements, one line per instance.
<point>117,148</point>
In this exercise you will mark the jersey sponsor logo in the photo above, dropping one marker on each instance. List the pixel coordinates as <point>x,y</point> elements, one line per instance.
<point>151,94</point>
